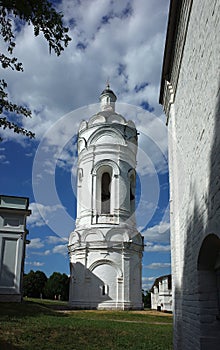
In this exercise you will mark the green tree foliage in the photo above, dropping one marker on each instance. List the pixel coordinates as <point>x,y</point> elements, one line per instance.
<point>57,286</point>
<point>34,283</point>
<point>146,298</point>
<point>44,19</point>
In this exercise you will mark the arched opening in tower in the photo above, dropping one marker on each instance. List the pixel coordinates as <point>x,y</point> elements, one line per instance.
<point>106,193</point>
<point>132,193</point>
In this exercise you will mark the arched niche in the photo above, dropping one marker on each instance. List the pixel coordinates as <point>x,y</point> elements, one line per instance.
<point>93,236</point>
<point>103,262</point>
<point>209,288</point>
<point>100,166</point>
<point>106,136</point>
<point>106,180</point>
<point>117,236</point>
<point>103,281</point>
<point>80,174</point>
<point>83,125</point>
<point>209,252</point>
<point>116,118</point>
<point>81,144</point>
<point>105,189</point>
<point>96,119</point>
<point>74,238</point>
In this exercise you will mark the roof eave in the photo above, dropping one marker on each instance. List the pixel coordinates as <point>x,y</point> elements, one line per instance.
<point>173,19</point>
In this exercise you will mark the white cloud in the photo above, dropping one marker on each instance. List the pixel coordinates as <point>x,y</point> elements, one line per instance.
<point>158,233</point>
<point>148,279</point>
<point>146,209</point>
<point>3,159</point>
<point>152,145</point>
<point>36,243</point>
<point>146,286</point>
<point>41,214</point>
<point>150,247</point>
<point>60,249</point>
<point>111,34</point>
<point>120,40</point>
<point>157,265</point>
<point>34,263</point>
<point>35,219</point>
<point>44,253</point>
<point>55,239</point>
<point>147,282</point>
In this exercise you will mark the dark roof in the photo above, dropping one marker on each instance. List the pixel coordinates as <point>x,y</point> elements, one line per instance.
<point>108,91</point>
<point>158,280</point>
<point>173,20</point>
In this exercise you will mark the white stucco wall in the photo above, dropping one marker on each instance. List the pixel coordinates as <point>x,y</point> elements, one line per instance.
<point>194,165</point>
<point>13,213</point>
<point>161,295</point>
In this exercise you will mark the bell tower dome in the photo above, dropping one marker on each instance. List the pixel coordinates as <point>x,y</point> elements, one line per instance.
<point>108,99</point>
<point>106,248</point>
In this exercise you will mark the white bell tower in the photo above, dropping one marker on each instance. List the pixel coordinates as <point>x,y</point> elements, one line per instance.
<point>106,249</point>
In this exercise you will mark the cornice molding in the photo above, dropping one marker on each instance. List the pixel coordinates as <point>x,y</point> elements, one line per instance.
<point>179,17</point>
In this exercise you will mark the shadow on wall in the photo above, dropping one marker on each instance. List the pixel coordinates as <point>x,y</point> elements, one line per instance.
<point>200,293</point>
<point>88,289</point>
<point>7,278</point>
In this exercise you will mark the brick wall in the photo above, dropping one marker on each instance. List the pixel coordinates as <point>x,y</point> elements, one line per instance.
<point>194,162</point>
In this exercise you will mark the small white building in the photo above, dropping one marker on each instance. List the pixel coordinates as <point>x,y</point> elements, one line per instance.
<point>13,232</point>
<point>106,249</point>
<point>161,294</point>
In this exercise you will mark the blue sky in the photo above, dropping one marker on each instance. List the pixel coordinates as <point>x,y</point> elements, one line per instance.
<point>122,41</point>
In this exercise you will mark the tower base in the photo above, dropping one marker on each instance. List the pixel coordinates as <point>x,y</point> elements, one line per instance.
<point>120,306</point>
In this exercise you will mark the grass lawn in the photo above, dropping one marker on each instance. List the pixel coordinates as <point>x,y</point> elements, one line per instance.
<point>40,325</point>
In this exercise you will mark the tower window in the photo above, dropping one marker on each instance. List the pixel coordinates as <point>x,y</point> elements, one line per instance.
<point>132,193</point>
<point>106,194</point>
<point>104,289</point>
